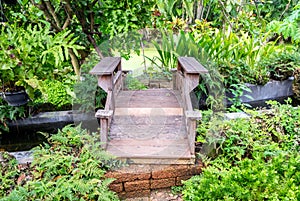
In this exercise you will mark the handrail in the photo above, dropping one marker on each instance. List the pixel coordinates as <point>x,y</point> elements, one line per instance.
<point>185,79</point>
<point>110,79</point>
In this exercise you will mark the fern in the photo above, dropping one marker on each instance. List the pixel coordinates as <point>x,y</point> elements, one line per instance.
<point>71,169</point>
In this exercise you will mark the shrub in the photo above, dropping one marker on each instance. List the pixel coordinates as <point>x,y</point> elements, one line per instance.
<point>276,179</point>
<point>255,158</point>
<point>72,168</point>
<point>57,93</point>
<point>9,173</point>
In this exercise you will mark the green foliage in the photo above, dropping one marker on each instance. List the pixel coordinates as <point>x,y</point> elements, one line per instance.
<point>296,84</point>
<point>174,45</point>
<point>72,167</point>
<point>265,133</point>
<point>133,83</point>
<point>253,158</point>
<point>32,54</point>
<point>125,16</point>
<point>9,113</point>
<point>171,9</point>
<point>57,93</point>
<point>275,179</point>
<point>289,26</point>
<point>237,56</point>
<point>9,173</point>
<point>283,64</point>
<point>88,96</point>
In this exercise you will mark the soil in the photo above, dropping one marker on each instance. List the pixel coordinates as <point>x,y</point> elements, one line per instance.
<point>159,195</point>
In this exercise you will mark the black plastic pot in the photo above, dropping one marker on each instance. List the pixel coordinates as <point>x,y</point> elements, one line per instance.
<point>15,98</point>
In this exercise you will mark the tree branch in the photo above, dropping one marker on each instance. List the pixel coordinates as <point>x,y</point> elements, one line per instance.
<point>43,8</point>
<point>286,9</point>
<point>223,11</point>
<point>90,37</point>
<point>52,12</point>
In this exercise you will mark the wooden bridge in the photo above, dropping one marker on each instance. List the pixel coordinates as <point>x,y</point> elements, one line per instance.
<point>154,126</point>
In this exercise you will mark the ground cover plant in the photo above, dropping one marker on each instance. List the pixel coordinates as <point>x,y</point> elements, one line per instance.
<point>255,158</point>
<point>70,167</point>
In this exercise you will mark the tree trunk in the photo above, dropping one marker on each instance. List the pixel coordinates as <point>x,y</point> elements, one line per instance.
<point>199,9</point>
<point>75,63</point>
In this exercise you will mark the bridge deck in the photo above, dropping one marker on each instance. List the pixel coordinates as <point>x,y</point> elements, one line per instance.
<point>149,127</point>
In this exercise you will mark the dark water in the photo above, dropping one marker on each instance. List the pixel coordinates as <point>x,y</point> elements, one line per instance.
<point>23,141</point>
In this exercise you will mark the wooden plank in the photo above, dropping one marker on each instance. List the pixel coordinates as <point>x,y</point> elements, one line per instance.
<point>149,111</point>
<point>148,99</point>
<point>106,66</point>
<point>152,142</point>
<point>175,151</point>
<point>151,131</point>
<point>191,65</point>
<point>146,119</point>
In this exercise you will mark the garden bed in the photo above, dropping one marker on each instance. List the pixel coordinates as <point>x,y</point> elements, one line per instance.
<point>25,134</point>
<point>272,90</point>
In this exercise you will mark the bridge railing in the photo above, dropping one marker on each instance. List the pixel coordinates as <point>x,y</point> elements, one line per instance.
<point>185,79</point>
<point>110,79</point>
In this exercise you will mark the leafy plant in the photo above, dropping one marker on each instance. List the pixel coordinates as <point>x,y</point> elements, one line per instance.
<point>236,91</point>
<point>257,179</point>
<point>71,167</point>
<point>9,173</point>
<point>265,133</point>
<point>296,84</point>
<point>283,64</point>
<point>133,83</point>
<point>253,158</point>
<point>8,113</point>
<point>56,93</point>
<point>289,26</point>
<point>174,45</point>
<point>88,96</point>
<point>32,54</point>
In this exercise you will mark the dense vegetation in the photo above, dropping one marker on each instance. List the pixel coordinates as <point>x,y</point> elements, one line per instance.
<point>255,158</point>
<point>70,167</point>
<point>48,47</point>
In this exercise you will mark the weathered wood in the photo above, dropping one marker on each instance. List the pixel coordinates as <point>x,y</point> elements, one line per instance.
<point>174,71</point>
<point>190,65</point>
<point>187,79</point>
<point>149,127</point>
<point>105,82</point>
<point>110,78</point>
<point>192,117</point>
<point>107,66</point>
<point>104,116</point>
<point>155,98</point>
<point>156,124</point>
<point>106,70</point>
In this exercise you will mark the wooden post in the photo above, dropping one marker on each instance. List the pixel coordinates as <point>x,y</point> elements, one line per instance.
<point>104,116</point>
<point>192,117</point>
<point>188,72</point>
<point>174,71</point>
<point>109,72</point>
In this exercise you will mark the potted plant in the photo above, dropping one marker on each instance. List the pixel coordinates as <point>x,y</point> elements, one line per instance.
<point>30,55</point>
<point>11,73</point>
